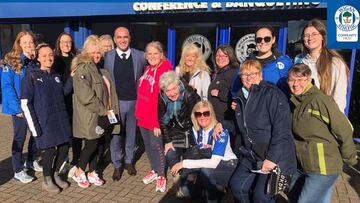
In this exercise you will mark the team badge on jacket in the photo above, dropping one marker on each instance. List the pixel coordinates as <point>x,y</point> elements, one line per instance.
<point>57,79</point>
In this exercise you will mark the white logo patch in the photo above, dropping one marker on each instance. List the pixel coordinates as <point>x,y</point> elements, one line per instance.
<point>245,46</point>
<point>39,79</point>
<point>5,69</point>
<point>57,79</point>
<point>280,65</point>
<point>347,20</point>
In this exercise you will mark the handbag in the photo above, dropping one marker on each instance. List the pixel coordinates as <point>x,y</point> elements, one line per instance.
<point>278,181</point>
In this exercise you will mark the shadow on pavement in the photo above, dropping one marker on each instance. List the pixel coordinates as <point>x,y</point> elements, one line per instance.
<point>6,171</point>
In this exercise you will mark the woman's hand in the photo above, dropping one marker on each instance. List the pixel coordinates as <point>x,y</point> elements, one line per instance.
<point>267,166</point>
<point>217,130</point>
<point>214,92</point>
<point>20,115</point>
<point>176,168</point>
<point>168,146</point>
<point>72,73</point>
<point>233,105</point>
<point>157,132</point>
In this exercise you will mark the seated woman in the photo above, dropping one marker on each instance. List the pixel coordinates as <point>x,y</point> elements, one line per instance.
<point>43,103</point>
<point>218,169</point>
<point>323,139</point>
<point>263,119</point>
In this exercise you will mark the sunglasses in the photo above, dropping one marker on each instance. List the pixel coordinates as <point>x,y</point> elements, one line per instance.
<point>199,114</point>
<point>260,39</point>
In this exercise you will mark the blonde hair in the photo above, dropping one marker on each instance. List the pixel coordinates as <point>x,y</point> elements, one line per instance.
<point>107,38</point>
<point>199,63</point>
<point>203,104</point>
<point>13,57</point>
<point>249,64</point>
<point>155,44</point>
<point>91,40</point>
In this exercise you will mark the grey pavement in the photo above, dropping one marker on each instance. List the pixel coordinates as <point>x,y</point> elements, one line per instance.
<point>128,189</point>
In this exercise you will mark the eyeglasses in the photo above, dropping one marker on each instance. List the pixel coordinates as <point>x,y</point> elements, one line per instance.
<point>221,56</point>
<point>199,114</point>
<point>293,81</point>
<point>251,75</point>
<point>65,42</point>
<point>312,35</point>
<point>258,40</point>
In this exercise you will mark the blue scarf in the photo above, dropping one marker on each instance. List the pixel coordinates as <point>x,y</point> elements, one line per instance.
<point>173,107</point>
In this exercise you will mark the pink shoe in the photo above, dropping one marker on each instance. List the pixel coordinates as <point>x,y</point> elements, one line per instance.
<point>160,184</point>
<point>150,177</point>
<point>81,180</point>
<point>94,179</point>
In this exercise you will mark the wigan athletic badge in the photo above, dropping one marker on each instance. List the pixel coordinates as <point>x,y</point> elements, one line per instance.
<point>245,46</point>
<point>347,21</point>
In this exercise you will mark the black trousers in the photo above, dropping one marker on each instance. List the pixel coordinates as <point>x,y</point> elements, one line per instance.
<point>89,154</point>
<point>53,158</point>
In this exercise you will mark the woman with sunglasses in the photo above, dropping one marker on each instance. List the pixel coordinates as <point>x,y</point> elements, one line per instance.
<point>274,65</point>
<point>216,171</point>
<point>263,119</point>
<point>175,103</point>
<point>323,139</point>
<point>328,68</point>
<point>43,104</point>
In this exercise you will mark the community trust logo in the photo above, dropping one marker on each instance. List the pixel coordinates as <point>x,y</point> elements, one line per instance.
<point>245,46</point>
<point>201,42</point>
<point>347,21</point>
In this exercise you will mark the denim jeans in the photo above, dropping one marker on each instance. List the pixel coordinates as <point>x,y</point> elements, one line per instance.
<point>311,187</point>
<point>244,182</point>
<point>173,157</point>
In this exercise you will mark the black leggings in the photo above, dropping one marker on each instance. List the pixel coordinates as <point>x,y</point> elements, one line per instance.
<point>56,155</point>
<point>89,154</point>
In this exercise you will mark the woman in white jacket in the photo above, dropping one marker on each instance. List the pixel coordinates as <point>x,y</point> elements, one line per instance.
<point>193,70</point>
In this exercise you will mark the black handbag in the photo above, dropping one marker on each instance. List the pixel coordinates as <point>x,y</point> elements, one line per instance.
<point>278,182</point>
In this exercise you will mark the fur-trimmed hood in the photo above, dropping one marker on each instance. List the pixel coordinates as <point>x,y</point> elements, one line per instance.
<point>81,58</point>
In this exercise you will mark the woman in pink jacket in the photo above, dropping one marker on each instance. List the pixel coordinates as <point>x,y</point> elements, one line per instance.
<point>147,115</point>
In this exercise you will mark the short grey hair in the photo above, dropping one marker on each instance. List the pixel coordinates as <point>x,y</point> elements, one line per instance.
<point>167,79</point>
<point>107,37</point>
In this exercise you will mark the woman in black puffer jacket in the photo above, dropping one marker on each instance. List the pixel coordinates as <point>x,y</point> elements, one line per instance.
<point>176,101</point>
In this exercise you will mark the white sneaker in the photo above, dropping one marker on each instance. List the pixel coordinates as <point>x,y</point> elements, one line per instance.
<point>72,171</point>
<point>35,166</point>
<point>23,177</point>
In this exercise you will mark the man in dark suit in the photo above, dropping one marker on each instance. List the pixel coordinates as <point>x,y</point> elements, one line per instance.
<point>126,65</point>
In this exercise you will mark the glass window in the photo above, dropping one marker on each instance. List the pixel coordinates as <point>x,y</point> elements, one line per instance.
<point>47,32</point>
<point>204,36</point>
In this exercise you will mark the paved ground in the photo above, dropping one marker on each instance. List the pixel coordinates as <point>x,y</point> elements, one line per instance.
<point>128,189</point>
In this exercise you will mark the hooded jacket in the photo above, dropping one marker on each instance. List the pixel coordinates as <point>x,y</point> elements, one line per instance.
<point>43,104</point>
<point>146,109</point>
<point>89,98</point>
<point>179,129</point>
<point>264,123</point>
<point>10,86</point>
<point>323,135</point>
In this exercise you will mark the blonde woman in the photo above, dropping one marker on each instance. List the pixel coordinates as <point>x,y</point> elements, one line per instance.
<point>94,99</point>
<point>193,70</point>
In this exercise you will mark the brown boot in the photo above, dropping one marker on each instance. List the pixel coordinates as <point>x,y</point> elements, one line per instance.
<point>49,185</point>
<point>59,182</point>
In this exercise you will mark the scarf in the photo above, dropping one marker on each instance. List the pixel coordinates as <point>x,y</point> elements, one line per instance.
<point>173,107</point>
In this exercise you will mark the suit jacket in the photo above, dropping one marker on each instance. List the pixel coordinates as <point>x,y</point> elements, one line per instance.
<point>138,58</point>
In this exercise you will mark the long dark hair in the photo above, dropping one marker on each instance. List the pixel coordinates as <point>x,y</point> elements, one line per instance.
<point>324,63</point>
<point>229,51</point>
<point>57,50</point>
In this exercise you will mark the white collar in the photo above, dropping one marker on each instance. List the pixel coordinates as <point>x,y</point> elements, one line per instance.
<point>127,52</point>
